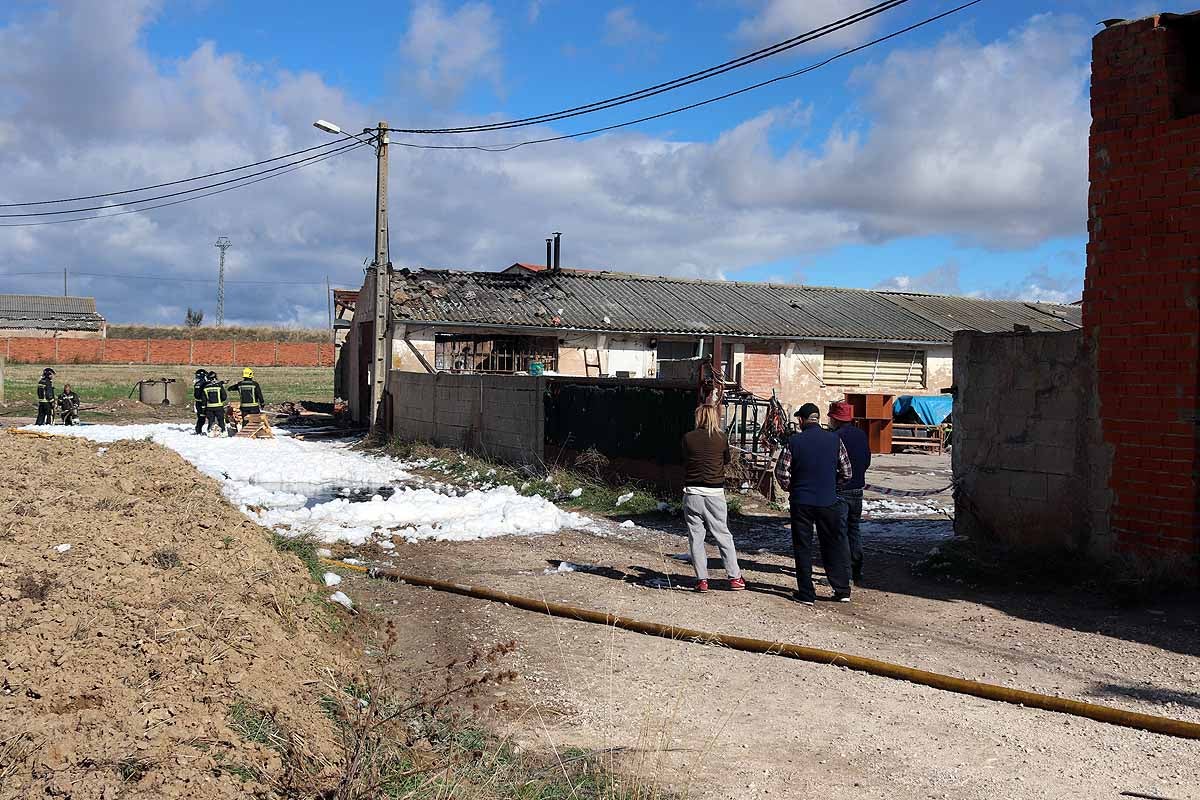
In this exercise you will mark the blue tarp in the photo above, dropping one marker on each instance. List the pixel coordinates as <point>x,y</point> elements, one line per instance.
<point>932,409</point>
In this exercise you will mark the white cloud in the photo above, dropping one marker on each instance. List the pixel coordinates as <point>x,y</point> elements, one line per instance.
<point>942,279</point>
<point>1003,125</point>
<point>776,20</point>
<point>450,50</point>
<point>986,142</point>
<point>1041,285</point>
<point>622,27</point>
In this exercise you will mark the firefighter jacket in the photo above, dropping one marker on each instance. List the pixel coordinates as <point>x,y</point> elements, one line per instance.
<point>198,395</point>
<point>250,395</point>
<point>215,395</point>
<point>45,391</point>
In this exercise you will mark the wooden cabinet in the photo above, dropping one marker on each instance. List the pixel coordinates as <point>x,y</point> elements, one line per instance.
<point>873,413</point>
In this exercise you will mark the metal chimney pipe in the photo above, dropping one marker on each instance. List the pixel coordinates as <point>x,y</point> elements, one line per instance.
<point>557,251</point>
<point>549,251</point>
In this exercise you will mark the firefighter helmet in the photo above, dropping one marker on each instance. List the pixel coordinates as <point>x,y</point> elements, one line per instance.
<point>248,373</point>
<point>47,372</point>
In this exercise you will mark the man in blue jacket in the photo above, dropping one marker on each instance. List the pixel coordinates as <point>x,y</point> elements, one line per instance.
<point>850,493</point>
<point>810,468</point>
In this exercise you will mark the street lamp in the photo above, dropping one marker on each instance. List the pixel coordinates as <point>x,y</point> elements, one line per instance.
<point>381,268</point>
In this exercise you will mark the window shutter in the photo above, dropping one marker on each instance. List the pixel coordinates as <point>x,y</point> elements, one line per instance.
<point>851,366</point>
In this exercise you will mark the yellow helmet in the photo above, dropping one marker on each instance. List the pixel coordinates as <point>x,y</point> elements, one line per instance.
<point>247,373</point>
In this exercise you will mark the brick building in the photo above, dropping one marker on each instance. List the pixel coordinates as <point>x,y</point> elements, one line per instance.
<point>1088,441</point>
<point>804,343</point>
<point>1143,276</point>
<point>49,316</point>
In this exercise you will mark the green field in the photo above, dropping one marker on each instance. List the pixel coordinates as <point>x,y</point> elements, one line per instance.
<point>97,383</point>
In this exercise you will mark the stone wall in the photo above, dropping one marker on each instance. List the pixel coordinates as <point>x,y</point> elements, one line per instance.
<point>496,416</point>
<point>1028,457</point>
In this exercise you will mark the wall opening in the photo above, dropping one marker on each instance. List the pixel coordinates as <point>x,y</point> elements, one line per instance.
<point>1185,83</point>
<point>471,353</point>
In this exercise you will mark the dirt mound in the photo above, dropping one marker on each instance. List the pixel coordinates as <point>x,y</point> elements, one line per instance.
<point>169,651</point>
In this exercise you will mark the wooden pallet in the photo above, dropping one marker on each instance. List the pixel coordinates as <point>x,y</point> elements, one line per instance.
<point>928,437</point>
<point>255,426</point>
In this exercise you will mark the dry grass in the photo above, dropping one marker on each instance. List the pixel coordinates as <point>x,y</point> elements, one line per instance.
<point>210,332</point>
<point>99,383</point>
<point>403,743</point>
<point>15,751</point>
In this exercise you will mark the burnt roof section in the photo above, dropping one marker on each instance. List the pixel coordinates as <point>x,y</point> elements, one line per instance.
<point>630,303</point>
<point>48,312</point>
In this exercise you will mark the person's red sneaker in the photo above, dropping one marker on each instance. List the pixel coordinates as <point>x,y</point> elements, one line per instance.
<point>701,586</point>
<point>737,584</point>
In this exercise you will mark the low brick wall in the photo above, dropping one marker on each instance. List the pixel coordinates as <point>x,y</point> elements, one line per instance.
<point>219,352</point>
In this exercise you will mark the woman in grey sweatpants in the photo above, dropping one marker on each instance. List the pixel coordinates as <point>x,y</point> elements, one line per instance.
<point>705,455</point>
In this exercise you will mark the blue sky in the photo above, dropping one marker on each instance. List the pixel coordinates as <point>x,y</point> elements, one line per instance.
<point>952,159</point>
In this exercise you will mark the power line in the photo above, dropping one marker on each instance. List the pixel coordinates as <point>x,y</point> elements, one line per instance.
<point>676,83</point>
<point>169,183</point>
<point>299,165</point>
<point>179,193</point>
<point>502,148</point>
<point>158,279</point>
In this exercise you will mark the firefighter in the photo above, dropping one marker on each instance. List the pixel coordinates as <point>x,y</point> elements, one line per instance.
<point>45,398</point>
<point>250,394</point>
<point>68,405</point>
<point>198,398</point>
<point>214,401</point>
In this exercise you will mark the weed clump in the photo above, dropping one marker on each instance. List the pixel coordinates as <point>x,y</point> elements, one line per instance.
<point>303,548</point>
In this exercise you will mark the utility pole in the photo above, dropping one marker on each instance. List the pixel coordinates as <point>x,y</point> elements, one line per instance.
<point>382,360</point>
<point>329,304</point>
<point>221,244</point>
<point>64,281</point>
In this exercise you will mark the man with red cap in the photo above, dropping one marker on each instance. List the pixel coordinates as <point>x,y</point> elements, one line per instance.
<point>850,492</point>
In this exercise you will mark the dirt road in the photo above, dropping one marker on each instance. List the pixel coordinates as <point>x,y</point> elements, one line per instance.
<point>712,721</point>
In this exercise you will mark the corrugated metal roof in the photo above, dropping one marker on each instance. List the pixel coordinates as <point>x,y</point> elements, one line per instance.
<point>620,302</point>
<point>47,312</point>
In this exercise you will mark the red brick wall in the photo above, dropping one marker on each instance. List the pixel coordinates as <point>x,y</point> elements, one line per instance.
<point>125,351</point>
<point>216,353</point>
<point>254,353</point>
<point>170,351</point>
<point>289,355</point>
<point>80,351</point>
<point>22,350</point>
<point>1143,283</point>
<point>760,368</point>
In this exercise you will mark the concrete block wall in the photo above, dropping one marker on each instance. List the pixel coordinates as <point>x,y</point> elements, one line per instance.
<point>1028,456</point>
<point>497,416</point>
<point>1142,293</point>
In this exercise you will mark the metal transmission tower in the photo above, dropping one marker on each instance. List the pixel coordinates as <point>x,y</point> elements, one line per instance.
<point>222,244</point>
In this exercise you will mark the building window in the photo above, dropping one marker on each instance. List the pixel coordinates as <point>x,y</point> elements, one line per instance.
<point>498,354</point>
<point>849,366</point>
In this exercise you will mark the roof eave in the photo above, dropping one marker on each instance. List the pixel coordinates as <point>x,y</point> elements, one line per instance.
<point>548,330</point>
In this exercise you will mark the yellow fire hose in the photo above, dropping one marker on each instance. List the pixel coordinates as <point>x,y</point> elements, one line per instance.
<point>987,691</point>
